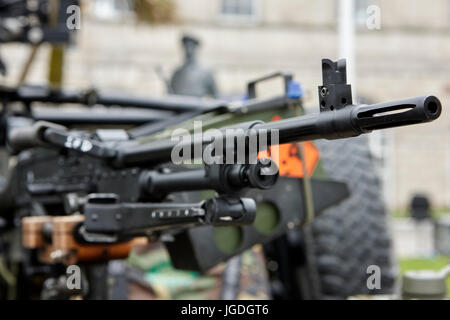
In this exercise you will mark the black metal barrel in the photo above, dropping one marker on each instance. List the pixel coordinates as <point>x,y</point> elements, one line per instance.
<point>350,121</point>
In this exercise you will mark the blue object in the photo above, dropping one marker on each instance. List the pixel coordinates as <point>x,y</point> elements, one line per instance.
<point>294,90</point>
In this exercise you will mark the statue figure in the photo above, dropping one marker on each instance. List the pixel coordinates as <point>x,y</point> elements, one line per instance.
<point>191,78</point>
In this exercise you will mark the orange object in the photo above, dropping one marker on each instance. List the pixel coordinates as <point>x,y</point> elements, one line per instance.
<point>64,247</point>
<point>288,160</point>
<point>64,240</point>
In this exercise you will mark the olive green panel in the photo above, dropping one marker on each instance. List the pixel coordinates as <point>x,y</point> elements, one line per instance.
<point>219,120</point>
<point>228,239</point>
<point>267,218</point>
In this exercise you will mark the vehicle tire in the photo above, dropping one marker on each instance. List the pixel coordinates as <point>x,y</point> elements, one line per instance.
<point>345,239</point>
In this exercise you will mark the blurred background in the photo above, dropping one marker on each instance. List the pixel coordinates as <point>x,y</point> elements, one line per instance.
<point>395,49</point>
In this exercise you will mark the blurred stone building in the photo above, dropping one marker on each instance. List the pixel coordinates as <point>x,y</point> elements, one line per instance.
<point>242,39</point>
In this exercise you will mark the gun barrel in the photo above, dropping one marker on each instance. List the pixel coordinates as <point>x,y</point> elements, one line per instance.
<point>353,121</point>
<point>350,121</point>
<point>221,179</point>
<point>398,113</point>
<point>172,103</point>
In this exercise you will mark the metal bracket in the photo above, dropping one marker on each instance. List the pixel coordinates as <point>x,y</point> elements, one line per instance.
<point>107,215</point>
<point>251,86</point>
<point>335,93</point>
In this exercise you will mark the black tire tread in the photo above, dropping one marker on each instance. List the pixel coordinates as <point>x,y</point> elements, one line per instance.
<point>345,239</point>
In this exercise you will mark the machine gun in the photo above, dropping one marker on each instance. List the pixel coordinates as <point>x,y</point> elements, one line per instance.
<point>124,188</point>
